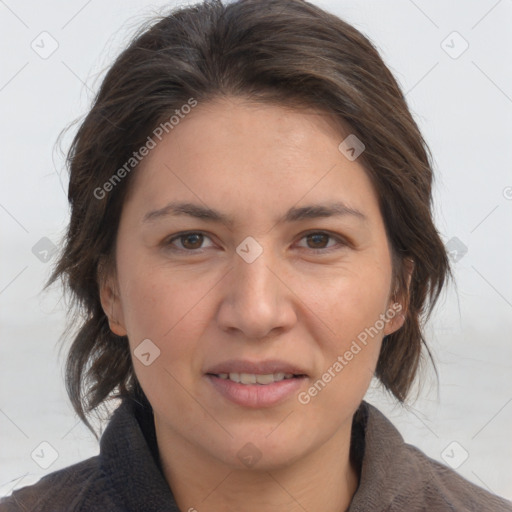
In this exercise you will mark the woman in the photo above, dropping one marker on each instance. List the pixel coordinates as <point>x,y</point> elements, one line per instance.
<point>251,240</point>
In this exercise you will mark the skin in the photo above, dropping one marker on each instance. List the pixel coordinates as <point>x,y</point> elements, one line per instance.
<point>253,161</point>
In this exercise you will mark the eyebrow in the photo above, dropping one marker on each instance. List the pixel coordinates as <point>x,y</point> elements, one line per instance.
<point>294,214</point>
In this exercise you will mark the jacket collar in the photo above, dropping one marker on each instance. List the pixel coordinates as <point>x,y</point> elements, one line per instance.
<point>389,475</point>
<point>129,459</point>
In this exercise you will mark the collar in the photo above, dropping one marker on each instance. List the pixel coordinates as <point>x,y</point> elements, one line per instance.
<point>129,458</point>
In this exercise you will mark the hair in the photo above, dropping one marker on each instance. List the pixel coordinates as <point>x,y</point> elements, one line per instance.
<point>284,52</point>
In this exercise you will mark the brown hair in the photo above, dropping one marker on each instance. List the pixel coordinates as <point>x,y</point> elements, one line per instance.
<point>281,51</point>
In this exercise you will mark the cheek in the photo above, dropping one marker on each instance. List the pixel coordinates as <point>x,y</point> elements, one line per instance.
<point>350,347</point>
<point>167,308</point>
<point>350,301</point>
<point>350,304</point>
<point>168,311</point>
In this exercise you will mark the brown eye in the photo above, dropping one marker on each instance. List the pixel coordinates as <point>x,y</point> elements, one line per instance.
<point>322,242</point>
<point>187,242</point>
<point>192,240</point>
<point>318,240</point>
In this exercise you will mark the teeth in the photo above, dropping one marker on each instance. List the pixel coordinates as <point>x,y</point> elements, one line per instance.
<point>251,378</point>
<point>247,378</point>
<point>265,379</point>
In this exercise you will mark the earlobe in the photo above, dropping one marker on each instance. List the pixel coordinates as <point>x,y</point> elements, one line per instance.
<point>117,327</point>
<point>111,305</point>
<point>399,304</point>
<point>396,318</point>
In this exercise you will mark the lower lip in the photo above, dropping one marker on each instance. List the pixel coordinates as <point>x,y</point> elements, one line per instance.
<point>256,395</point>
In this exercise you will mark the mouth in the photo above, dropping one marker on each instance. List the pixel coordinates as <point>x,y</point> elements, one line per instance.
<point>244,371</point>
<point>256,384</point>
<point>255,378</point>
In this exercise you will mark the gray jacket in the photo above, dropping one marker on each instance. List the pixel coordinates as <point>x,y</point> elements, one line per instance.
<point>126,476</point>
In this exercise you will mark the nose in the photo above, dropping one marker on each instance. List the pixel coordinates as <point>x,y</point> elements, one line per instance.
<point>257,300</point>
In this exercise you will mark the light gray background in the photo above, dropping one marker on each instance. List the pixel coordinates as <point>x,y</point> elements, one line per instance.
<point>464,108</point>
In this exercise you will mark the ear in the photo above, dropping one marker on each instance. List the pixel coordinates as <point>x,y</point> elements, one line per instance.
<point>399,302</point>
<point>111,301</point>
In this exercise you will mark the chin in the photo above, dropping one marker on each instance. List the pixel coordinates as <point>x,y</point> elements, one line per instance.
<point>259,453</point>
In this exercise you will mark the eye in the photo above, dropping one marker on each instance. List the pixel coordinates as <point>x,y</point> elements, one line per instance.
<point>190,241</point>
<point>320,241</point>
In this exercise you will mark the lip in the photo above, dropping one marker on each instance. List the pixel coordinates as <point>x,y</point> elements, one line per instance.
<point>256,367</point>
<point>256,396</point>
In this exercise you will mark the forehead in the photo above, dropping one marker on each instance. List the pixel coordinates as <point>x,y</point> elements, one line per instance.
<point>251,155</point>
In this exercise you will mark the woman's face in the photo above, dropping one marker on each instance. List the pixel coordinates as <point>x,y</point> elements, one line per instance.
<point>290,275</point>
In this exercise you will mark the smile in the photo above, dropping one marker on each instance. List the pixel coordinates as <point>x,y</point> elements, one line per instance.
<point>256,390</point>
<point>252,378</point>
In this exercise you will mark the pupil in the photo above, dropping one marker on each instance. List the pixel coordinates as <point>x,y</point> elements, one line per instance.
<point>197,237</point>
<point>317,238</point>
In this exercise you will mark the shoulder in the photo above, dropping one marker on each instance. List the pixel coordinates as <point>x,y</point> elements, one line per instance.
<point>444,488</point>
<point>117,479</point>
<point>397,476</point>
<point>65,489</point>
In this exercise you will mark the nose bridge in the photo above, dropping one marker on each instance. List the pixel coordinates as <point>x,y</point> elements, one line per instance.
<point>253,283</point>
<point>253,279</point>
<point>255,301</point>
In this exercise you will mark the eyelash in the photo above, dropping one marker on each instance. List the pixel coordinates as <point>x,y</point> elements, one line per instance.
<point>341,242</point>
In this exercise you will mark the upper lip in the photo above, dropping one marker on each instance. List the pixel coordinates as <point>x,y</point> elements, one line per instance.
<point>255,367</point>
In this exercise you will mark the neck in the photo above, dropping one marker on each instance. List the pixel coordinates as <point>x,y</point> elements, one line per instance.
<point>321,480</point>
